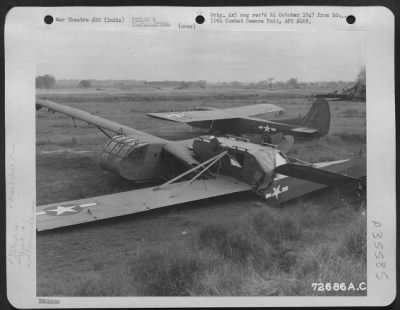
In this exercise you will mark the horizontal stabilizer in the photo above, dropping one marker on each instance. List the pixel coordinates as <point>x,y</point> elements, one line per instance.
<point>312,174</point>
<point>108,206</point>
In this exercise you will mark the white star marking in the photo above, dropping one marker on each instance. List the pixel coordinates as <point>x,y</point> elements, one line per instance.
<point>276,191</point>
<point>61,210</point>
<point>85,205</point>
<point>266,128</point>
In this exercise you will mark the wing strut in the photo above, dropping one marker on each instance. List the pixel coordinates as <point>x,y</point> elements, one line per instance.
<point>208,164</point>
<point>211,126</point>
<point>103,131</point>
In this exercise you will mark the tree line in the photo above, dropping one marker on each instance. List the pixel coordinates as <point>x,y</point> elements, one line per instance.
<point>48,81</point>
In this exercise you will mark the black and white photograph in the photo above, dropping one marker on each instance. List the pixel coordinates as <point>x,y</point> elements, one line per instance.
<point>187,161</point>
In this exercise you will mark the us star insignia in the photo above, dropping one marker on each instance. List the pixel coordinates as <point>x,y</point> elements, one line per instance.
<point>276,191</point>
<point>62,210</point>
<point>266,128</point>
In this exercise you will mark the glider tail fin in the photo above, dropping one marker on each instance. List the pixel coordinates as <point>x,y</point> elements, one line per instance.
<point>318,117</point>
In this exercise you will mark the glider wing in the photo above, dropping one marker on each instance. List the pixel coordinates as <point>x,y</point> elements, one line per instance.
<point>108,206</point>
<point>216,114</point>
<point>97,121</point>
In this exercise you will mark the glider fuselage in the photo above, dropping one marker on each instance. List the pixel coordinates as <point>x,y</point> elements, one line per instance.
<point>137,160</point>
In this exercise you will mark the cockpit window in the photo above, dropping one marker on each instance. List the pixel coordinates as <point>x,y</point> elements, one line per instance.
<point>110,146</point>
<point>117,148</point>
<point>121,146</point>
<point>124,150</point>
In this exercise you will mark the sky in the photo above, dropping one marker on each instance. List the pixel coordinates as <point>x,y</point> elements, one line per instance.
<point>245,56</point>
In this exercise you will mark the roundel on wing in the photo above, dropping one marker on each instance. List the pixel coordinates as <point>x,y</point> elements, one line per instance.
<point>62,210</point>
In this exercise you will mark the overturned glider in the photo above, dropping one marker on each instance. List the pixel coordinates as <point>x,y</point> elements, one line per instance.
<point>357,92</point>
<point>200,168</point>
<point>239,120</point>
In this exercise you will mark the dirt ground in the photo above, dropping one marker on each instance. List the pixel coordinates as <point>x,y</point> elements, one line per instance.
<point>67,170</point>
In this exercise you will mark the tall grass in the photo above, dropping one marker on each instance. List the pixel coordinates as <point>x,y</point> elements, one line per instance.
<point>354,243</point>
<point>168,273</point>
<point>275,227</point>
<point>97,287</point>
<point>263,253</point>
<point>352,112</point>
<point>238,242</point>
<point>352,137</point>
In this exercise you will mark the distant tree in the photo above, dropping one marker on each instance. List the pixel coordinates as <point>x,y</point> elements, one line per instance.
<point>236,84</point>
<point>85,83</point>
<point>202,83</point>
<point>359,88</point>
<point>279,84</point>
<point>292,83</point>
<point>45,81</point>
<point>362,75</point>
<point>262,84</point>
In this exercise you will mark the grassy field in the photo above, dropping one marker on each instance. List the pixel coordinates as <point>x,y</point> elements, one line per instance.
<point>228,246</point>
